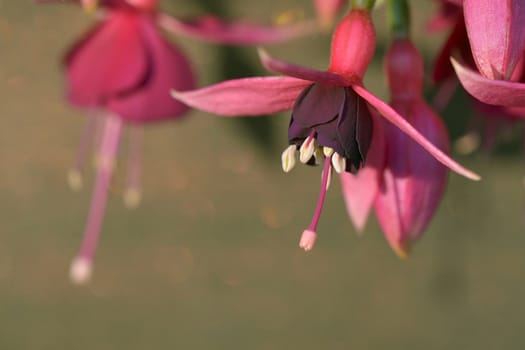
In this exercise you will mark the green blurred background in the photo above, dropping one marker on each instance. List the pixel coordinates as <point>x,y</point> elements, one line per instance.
<point>210,259</point>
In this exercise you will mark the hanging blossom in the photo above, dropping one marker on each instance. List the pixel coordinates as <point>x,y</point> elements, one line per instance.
<point>407,186</point>
<point>413,184</point>
<point>484,123</point>
<point>333,118</point>
<point>497,37</point>
<point>120,72</point>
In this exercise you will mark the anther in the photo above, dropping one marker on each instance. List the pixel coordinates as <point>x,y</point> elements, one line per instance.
<point>339,163</point>
<point>132,198</point>
<point>74,180</point>
<point>307,149</point>
<point>288,158</point>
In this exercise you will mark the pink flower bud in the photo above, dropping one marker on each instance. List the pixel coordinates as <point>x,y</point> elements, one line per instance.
<point>353,45</point>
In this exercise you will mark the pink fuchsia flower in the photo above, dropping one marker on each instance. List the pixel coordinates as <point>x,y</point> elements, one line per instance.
<point>412,185</point>
<point>497,37</point>
<point>331,121</point>
<point>121,72</point>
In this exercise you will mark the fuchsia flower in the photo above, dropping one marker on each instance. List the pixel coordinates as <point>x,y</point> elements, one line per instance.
<point>412,184</point>
<point>333,115</point>
<point>497,38</point>
<point>122,72</point>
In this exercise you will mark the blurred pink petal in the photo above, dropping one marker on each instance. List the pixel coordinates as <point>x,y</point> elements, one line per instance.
<point>247,96</point>
<point>213,29</point>
<point>327,10</point>
<point>94,65</point>
<point>168,68</point>
<point>494,92</point>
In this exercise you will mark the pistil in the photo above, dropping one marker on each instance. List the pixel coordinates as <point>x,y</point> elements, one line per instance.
<point>309,235</point>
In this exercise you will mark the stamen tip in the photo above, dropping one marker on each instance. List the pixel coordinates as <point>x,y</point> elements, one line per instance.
<point>80,271</point>
<point>307,241</point>
<point>75,180</point>
<point>288,158</point>
<point>132,198</point>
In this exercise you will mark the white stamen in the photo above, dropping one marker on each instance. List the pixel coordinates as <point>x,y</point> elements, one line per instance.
<point>328,151</point>
<point>288,158</point>
<point>75,180</point>
<point>307,149</point>
<point>339,163</point>
<point>80,271</point>
<point>132,198</point>
<point>308,239</point>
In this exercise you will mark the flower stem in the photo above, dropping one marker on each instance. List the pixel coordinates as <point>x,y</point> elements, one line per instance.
<point>363,4</point>
<point>399,18</point>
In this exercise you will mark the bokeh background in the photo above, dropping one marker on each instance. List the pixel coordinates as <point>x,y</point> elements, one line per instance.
<point>210,259</point>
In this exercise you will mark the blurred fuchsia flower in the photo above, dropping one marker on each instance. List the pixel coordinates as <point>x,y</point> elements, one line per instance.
<point>497,38</point>
<point>412,185</point>
<point>331,113</point>
<point>327,10</point>
<point>122,72</point>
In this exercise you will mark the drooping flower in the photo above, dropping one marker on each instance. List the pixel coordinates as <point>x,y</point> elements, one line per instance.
<point>412,184</point>
<point>122,72</point>
<point>332,120</point>
<point>497,38</point>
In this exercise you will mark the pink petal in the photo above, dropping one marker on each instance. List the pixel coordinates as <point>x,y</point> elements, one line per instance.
<point>247,96</point>
<point>360,190</point>
<point>392,116</point>
<point>496,34</point>
<point>168,68</point>
<point>327,10</point>
<point>413,181</point>
<point>494,92</point>
<point>94,66</point>
<point>213,29</point>
<point>281,67</point>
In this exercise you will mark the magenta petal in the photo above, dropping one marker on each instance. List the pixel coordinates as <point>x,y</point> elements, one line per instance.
<point>360,190</point>
<point>281,67</point>
<point>213,29</point>
<point>493,92</point>
<point>497,35</point>
<point>392,116</point>
<point>94,66</point>
<point>247,96</point>
<point>168,68</point>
